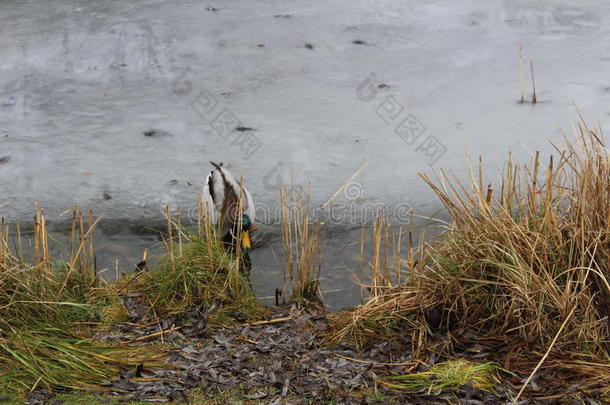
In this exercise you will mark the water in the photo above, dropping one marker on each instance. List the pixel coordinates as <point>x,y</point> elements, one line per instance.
<point>114,105</point>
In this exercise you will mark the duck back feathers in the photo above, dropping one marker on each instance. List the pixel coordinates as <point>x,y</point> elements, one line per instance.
<point>221,193</point>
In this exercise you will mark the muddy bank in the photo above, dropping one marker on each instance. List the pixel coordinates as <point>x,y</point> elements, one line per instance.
<point>286,359</point>
<point>283,360</point>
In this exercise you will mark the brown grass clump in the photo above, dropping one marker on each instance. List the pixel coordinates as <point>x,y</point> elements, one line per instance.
<point>523,264</point>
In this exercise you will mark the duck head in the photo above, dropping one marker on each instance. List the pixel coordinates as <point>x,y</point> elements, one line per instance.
<point>246,227</point>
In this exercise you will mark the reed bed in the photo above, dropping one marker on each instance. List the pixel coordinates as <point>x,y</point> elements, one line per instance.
<point>303,243</point>
<point>387,268</point>
<point>47,308</point>
<point>523,265</point>
<point>387,281</point>
<point>46,290</point>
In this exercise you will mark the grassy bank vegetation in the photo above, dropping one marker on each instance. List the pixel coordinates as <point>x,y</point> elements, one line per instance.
<point>199,273</point>
<point>47,308</point>
<point>523,267</point>
<point>51,307</point>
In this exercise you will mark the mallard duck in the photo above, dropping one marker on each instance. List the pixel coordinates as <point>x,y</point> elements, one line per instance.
<point>221,194</point>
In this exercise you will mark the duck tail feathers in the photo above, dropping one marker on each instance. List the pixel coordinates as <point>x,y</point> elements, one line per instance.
<point>216,165</point>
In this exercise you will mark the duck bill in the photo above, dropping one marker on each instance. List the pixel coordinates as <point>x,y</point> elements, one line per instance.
<point>246,243</point>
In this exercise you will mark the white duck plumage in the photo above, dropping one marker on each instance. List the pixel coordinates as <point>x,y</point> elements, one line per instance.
<point>221,194</point>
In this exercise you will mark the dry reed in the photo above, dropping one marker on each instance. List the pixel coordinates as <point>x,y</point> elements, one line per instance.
<point>303,242</point>
<point>520,262</point>
<point>44,306</point>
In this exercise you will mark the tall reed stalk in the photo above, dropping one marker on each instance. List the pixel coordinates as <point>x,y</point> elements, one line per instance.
<point>303,243</point>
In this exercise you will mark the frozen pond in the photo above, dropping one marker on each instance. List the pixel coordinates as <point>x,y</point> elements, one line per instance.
<point>119,105</point>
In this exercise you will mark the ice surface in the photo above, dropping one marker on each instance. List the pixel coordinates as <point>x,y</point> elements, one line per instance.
<point>81,81</point>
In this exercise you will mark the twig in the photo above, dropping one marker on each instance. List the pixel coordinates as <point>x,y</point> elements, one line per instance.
<point>134,278</point>
<point>161,333</point>
<point>351,178</point>
<point>35,384</point>
<point>78,252</point>
<point>245,339</point>
<point>334,290</point>
<point>407,363</point>
<point>276,320</point>
<point>545,355</point>
<point>170,237</point>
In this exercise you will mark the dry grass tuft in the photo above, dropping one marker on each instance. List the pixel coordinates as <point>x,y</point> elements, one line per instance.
<point>49,307</point>
<point>46,290</point>
<point>46,310</point>
<point>520,260</point>
<point>198,272</point>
